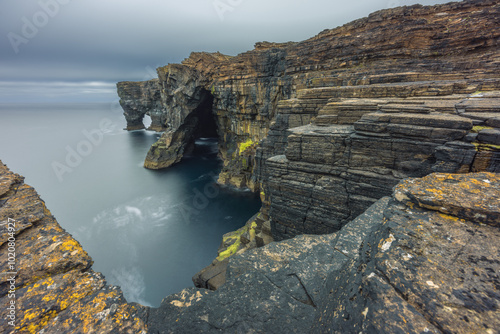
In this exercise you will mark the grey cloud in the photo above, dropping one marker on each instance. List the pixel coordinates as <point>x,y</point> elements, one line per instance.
<point>116,40</point>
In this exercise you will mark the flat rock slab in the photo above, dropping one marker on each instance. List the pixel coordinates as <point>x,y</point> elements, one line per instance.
<point>489,136</point>
<point>314,130</point>
<point>469,196</point>
<point>430,120</point>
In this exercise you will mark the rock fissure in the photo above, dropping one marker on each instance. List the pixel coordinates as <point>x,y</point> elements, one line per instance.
<point>310,301</point>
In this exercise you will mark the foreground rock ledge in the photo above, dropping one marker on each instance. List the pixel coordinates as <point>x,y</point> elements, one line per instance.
<point>423,260</point>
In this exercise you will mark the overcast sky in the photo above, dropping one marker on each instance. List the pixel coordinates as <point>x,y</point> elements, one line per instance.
<point>76,50</point>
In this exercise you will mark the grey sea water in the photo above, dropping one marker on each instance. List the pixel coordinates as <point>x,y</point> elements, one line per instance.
<point>147,231</point>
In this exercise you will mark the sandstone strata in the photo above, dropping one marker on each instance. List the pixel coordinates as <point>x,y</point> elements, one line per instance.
<point>56,291</point>
<point>403,92</point>
<point>140,99</point>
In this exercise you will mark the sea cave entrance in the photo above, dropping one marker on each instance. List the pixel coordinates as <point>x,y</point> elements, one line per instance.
<point>206,128</point>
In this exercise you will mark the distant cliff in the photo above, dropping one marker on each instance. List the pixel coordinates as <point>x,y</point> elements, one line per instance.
<point>325,127</point>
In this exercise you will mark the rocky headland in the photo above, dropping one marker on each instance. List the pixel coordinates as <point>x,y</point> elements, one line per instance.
<point>47,276</point>
<point>325,127</point>
<point>375,147</point>
<point>352,111</point>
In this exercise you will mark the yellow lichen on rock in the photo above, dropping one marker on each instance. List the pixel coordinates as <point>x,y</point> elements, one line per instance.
<point>467,196</point>
<point>245,145</point>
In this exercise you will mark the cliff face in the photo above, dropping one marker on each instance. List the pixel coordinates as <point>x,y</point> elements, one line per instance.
<point>350,112</point>
<point>237,96</point>
<point>328,129</point>
<point>188,104</point>
<point>139,99</point>
<point>402,93</point>
<point>332,170</point>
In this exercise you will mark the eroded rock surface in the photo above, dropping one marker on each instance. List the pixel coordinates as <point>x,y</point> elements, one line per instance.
<point>423,270</point>
<point>334,168</point>
<point>325,129</point>
<point>139,99</point>
<point>423,260</point>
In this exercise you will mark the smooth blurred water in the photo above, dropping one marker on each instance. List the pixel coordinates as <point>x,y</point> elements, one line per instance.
<point>147,231</point>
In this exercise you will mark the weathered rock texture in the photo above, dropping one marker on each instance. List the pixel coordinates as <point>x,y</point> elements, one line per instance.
<point>239,93</point>
<point>422,261</point>
<point>402,93</point>
<point>333,169</point>
<point>55,290</point>
<point>327,126</point>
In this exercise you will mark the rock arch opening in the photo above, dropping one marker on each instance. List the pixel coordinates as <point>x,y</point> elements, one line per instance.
<point>187,122</point>
<point>146,121</point>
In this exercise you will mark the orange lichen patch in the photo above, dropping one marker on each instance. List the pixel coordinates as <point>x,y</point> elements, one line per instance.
<point>55,288</point>
<point>46,250</point>
<point>445,216</point>
<point>35,327</point>
<point>101,312</point>
<point>384,245</point>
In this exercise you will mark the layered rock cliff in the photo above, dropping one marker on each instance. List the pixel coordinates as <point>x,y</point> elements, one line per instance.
<point>350,112</point>
<point>424,260</point>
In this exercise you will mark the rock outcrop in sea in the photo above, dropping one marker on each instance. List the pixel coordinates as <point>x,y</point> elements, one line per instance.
<point>376,149</point>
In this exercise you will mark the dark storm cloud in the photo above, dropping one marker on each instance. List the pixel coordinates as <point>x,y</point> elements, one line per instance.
<point>114,40</point>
